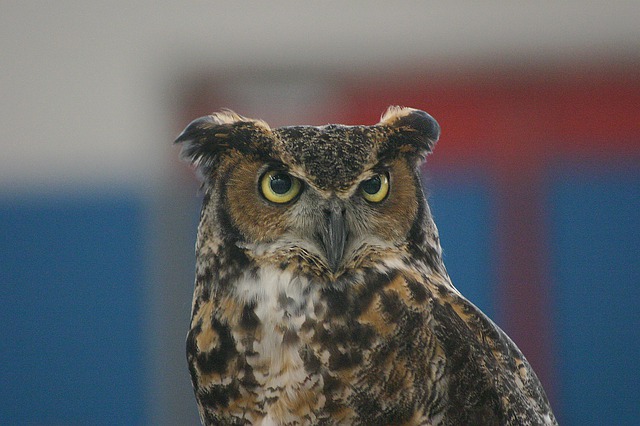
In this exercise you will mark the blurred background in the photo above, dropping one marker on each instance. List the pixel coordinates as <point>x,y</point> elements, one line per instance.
<point>535,183</point>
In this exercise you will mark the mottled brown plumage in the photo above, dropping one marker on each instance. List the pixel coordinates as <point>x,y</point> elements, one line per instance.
<point>321,296</point>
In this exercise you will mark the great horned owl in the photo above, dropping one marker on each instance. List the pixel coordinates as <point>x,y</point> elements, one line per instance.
<point>321,296</point>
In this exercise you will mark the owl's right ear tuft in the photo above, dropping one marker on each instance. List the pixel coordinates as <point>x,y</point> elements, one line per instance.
<point>199,140</point>
<point>206,138</point>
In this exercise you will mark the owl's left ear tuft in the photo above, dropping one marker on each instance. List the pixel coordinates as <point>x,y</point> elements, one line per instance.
<point>417,127</point>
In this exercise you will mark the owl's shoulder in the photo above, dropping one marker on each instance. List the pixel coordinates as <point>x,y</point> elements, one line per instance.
<point>488,373</point>
<point>449,359</point>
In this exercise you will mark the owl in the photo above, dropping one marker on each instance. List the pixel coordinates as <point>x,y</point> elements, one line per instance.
<point>321,296</point>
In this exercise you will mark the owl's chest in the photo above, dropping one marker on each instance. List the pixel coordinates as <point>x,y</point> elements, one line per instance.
<point>270,336</point>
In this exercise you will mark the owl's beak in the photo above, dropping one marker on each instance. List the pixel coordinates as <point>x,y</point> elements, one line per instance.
<point>333,234</point>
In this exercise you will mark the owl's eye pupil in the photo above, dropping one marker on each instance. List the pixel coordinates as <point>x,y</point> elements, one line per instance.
<point>280,183</point>
<point>372,186</point>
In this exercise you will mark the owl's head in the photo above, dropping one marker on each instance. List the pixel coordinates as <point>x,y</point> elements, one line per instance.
<point>321,201</point>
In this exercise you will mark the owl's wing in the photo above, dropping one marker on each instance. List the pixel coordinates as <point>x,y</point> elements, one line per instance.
<point>490,381</point>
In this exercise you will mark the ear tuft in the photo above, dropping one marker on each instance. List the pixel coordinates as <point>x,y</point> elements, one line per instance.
<point>196,129</point>
<point>201,126</point>
<point>197,139</point>
<point>205,138</point>
<point>422,129</point>
<point>226,116</point>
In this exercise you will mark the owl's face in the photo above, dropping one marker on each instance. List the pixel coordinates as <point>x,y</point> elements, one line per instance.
<point>316,200</point>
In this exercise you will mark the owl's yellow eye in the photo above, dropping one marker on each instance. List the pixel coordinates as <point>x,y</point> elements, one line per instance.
<point>375,189</point>
<point>279,187</point>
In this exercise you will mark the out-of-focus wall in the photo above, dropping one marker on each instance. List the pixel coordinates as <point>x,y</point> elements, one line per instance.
<point>97,217</point>
<point>89,89</point>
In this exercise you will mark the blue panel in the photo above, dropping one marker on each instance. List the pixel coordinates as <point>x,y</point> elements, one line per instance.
<point>462,211</point>
<point>596,233</point>
<point>71,309</point>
